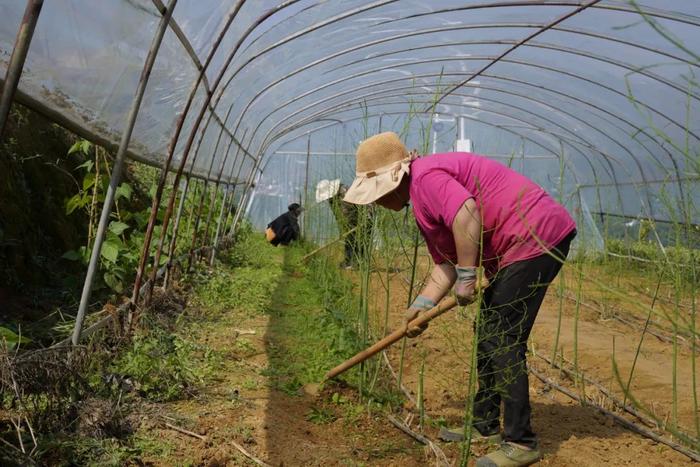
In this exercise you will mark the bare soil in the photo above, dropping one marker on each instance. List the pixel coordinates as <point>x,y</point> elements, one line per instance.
<point>280,427</point>
<point>570,434</point>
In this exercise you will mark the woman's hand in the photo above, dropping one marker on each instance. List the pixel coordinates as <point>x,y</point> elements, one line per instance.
<point>466,290</point>
<point>465,285</point>
<point>420,304</point>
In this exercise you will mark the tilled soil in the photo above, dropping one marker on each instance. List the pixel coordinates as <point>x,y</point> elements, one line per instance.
<point>570,434</point>
<point>279,427</point>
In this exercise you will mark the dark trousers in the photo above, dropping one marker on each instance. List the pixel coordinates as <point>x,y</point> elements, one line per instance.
<point>350,247</point>
<point>358,244</point>
<point>509,309</point>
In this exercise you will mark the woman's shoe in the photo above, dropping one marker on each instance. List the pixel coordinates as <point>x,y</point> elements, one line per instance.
<point>457,434</point>
<point>510,455</point>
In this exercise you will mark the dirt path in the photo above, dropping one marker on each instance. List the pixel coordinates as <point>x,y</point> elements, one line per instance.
<point>256,400</point>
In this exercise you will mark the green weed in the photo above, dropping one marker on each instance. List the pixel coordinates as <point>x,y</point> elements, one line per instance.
<point>247,290</point>
<point>244,347</point>
<point>88,452</point>
<point>163,365</point>
<point>250,384</point>
<point>153,447</point>
<point>320,416</point>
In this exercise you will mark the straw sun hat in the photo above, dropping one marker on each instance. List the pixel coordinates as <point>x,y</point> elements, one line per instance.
<point>381,163</point>
<point>326,189</point>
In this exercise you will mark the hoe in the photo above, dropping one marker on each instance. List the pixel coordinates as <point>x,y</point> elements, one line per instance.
<point>395,336</point>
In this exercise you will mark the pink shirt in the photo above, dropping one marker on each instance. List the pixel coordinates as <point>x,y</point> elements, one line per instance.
<point>518,216</point>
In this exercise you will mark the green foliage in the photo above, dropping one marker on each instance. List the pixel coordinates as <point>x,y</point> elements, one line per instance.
<point>123,191</point>
<point>652,252</point>
<point>246,289</point>
<point>108,451</point>
<point>117,228</point>
<point>320,416</point>
<point>81,146</point>
<point>315,323</point>
<point>247,249</point>
<point>249,286</point>
<point>164,365</point>
<point>82,255</point>
<point>250,384</point>
<point>110,251</point>
<point>123,241</point>
<point>87,451</point>
<point>157,448</point>
<point>12,339</point>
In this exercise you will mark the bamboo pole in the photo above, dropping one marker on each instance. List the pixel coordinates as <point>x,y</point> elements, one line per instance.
<point>176,226</point>
<point>223,200</point>
<point>173,237</point>
<point>148,236</point>
<point>306,182</point>
<point>222,211</point>
<point>223,220</point>
<point>164,232</point>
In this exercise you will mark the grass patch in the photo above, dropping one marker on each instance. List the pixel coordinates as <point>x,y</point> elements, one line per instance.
<point>314,326</point>
<point>310,337</point>
<point>245,280</point>
<point>246,289</point>
<point>88,452</point>
<point>320,415</point>
<point>163,365</point>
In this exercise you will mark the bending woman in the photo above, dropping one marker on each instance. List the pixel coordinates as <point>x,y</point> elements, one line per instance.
<point>475,212</point>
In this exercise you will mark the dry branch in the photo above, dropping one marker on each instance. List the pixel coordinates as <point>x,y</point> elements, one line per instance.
<point>185,432</point>
<point>249,455</point>
<point>575,376</point>
<point>620,420</point>
<point>657,334</point>
<point>439,455</point>
<point>27,460</point>
<point>405,391</point>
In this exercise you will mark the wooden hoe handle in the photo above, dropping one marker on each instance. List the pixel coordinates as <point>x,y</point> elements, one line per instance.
<point>424,318</point>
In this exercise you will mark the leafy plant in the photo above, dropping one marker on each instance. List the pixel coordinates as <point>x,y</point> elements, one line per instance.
<point>320,416</point>
<point>12,339</point>
<point>119,252</point>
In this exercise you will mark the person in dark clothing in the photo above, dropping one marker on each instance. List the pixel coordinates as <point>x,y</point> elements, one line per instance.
<point>346,215</point>
<point>356,223</point>
<point>285,228</point>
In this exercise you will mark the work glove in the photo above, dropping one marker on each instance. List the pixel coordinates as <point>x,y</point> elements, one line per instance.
<point>465,285</point>
<point>420,304</point>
